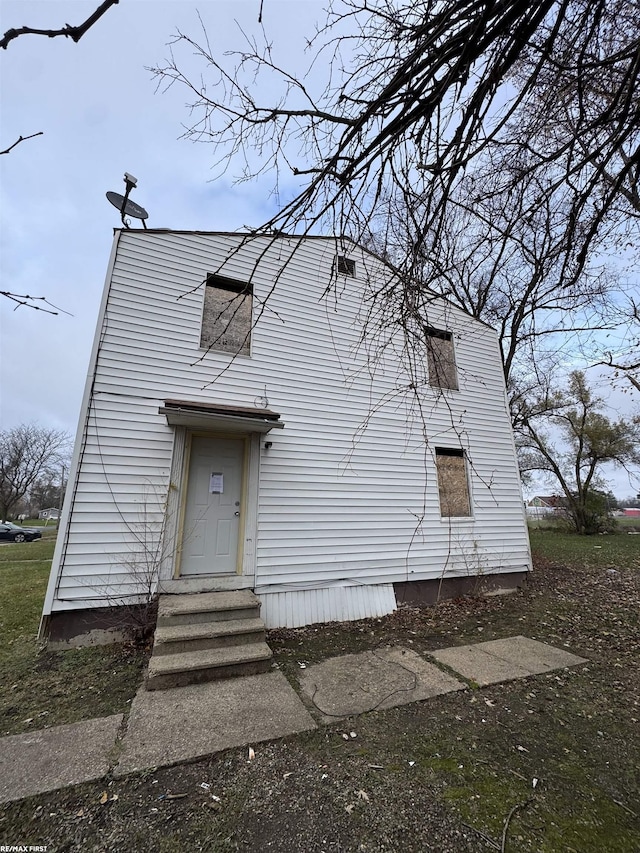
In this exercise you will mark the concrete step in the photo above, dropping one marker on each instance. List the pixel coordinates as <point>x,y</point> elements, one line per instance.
<point>175,639</point>
<point>178,670</point>
<point>207,607</point>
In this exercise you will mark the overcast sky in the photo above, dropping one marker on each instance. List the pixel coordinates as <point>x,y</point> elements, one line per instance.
<point>100,115</point>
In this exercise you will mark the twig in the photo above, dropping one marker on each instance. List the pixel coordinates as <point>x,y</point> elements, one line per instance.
<point>507,821</point>
<point>74,33</point>
<point>622,806</point>
<point>21,139</point>
<point>487,838</point>
<point>28,302</point>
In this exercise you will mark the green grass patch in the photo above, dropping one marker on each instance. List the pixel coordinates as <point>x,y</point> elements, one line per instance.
<point>39,687</point>
<point>617,550</point>
<point>14,553</point>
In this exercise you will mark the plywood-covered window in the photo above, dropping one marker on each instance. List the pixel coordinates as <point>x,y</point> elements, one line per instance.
<point>453,483</point>
<point>441,359</point>
<point>227,315</point>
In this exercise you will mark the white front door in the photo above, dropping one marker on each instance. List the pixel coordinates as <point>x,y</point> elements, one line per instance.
<point>213,505</point>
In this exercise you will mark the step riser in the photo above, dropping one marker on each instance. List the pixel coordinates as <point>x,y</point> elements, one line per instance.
<point>208,616</point>
<point>206,636</point>
<point>182,679</point>
<point>202,643</point>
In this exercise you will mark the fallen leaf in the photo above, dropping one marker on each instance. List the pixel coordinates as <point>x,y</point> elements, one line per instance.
<point>489,703</point>
<point>114,798</point>
<point>176,796</point>
<point>349,808</point>
<point>353,734</point>
<point>522,749</point>
<point>104,798</point>
<point>80,813</point>
<point>252,753</point>
<point>286,775</point>
<point>362,795</point>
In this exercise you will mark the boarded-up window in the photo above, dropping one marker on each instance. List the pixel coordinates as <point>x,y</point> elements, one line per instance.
<point>440,359</point>
<point>453,483</point>
<point>227,315</point>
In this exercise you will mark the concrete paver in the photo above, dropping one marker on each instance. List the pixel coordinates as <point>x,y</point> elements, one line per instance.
<point>185,723</point>
<point>48,759</point>
<point>504,660</point>
<point>533,655</point>
<point>384,678</point>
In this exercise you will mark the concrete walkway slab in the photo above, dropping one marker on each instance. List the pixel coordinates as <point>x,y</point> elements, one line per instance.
<point>505,660</point>
<point>185,723</point>
<point>533,655</point>
<point>49,759</point>
<point>384,678</point>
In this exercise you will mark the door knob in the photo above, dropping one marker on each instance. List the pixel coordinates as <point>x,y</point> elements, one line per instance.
<point>236,513</point>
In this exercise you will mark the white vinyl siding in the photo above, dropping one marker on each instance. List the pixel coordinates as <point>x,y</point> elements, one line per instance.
<point>349,489</point>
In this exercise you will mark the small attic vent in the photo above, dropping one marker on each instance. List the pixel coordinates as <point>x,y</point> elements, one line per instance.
<point>345,265</point>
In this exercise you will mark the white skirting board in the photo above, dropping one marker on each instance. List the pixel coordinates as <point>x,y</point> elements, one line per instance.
<point>330,604</point>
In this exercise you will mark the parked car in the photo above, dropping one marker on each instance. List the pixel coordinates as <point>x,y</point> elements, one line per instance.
<point>10,532</point>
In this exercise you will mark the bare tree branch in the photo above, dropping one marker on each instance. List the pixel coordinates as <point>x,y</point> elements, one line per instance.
<point>30,302</point>
<point>489,152</point>
<point>74,33</point>
<point>19,140</point>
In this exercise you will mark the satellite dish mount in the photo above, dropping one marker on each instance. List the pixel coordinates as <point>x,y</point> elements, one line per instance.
<point>124,205</point>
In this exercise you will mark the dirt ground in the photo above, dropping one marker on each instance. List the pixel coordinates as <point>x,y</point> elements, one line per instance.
<point>548,763</point>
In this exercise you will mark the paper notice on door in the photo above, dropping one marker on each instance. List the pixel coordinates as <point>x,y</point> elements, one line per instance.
<point>216,484</point>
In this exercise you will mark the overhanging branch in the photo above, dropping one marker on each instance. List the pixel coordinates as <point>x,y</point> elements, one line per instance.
<point>74,33</point>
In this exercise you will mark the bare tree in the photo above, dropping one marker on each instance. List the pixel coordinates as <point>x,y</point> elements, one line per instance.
<point>27,453</point>
<point>586,439</point>
<point>415,93</point>
<point>505,260</point>
<point>490,151</point>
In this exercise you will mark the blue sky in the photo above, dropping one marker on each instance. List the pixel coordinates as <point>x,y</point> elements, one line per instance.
<point>100,115</point>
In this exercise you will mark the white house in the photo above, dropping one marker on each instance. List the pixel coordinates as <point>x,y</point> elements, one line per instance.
<point>52,512</point>
<point>256,416</point>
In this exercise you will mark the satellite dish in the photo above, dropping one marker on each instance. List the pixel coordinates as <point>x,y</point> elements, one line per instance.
<point>126,206</point>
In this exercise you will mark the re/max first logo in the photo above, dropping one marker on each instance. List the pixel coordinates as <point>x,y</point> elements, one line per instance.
<point>23,848</point>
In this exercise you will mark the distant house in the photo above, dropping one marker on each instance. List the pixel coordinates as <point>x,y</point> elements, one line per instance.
<point>631,511</point>
<point>549,502</point>
<point>543,505</point>
<point>241,429</point>
<point>51,513</point>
